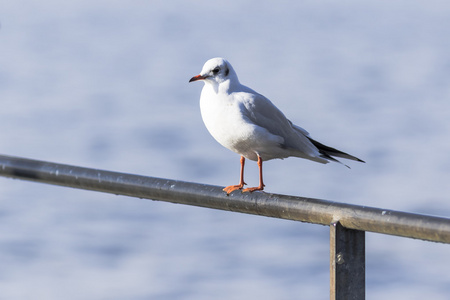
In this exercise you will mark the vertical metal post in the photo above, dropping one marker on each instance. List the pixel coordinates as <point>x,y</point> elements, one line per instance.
<point>347,263</point>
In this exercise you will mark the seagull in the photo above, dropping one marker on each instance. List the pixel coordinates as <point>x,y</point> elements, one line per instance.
<point>249,124</point>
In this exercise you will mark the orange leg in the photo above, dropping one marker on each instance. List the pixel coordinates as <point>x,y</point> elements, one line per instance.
<point>239,186</point>
<point>261,184</point>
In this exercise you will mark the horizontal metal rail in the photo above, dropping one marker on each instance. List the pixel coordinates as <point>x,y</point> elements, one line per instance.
<point>271,205</point>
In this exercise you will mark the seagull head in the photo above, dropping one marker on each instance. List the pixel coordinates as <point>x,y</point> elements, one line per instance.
<point>216,71</point>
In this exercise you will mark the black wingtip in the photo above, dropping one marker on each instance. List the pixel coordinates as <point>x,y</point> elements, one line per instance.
<point>328,152</point>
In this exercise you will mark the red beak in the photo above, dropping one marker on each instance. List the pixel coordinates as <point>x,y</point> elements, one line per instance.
<point>198,77</point>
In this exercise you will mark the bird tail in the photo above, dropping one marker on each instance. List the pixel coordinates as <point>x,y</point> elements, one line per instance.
<point>328,152</point>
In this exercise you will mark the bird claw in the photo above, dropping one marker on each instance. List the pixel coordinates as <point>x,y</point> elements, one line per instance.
<point>232,188</point>
<point>252,189</point>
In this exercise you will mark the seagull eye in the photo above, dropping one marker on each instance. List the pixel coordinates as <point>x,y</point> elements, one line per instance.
<point>216,70</point>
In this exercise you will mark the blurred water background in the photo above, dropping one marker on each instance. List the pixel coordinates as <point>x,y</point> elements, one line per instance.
<point>104,84</point>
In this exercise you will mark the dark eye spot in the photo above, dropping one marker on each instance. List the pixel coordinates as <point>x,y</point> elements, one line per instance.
<point>227,71</point>
<point>216,70</point>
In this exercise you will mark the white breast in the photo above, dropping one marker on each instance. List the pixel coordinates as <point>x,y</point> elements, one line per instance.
<point>225,118</point>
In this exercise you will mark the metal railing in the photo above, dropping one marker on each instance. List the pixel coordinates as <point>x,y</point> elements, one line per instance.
<point>348,223</point>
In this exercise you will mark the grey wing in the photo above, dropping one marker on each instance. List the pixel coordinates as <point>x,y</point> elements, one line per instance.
<point>262,112</point>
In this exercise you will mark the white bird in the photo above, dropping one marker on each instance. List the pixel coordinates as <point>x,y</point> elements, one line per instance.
<point>249,124</point>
